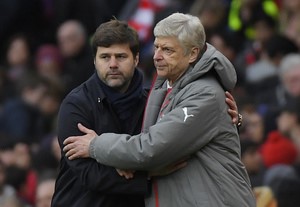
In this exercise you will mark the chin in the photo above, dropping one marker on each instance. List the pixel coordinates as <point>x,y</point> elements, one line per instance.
<point>161,74</point>
<point>115,84</point>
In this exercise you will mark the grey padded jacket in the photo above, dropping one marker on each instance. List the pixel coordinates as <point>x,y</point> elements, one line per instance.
<point>194,122</point>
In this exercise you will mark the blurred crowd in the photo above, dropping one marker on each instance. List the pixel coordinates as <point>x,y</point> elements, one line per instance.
<point>45,52</point>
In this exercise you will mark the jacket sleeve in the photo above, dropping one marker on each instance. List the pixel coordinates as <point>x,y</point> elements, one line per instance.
<point>93,175</point>
<point>189,126</point>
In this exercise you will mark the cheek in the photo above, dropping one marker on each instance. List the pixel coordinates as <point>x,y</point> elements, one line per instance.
<point>173,64</point>
<point>127,68</point>
<point>101,68</point>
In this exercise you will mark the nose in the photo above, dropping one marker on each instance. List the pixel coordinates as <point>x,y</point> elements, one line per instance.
<point>113,63</point>
<point>157,54</point>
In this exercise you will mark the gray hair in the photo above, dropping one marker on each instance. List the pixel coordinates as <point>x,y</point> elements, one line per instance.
<point>288,63</point>
<point>187,28</point>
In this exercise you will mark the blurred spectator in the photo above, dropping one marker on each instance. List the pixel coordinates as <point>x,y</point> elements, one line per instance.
<point>6,191</point>
<point>252,160</point>
<point>277,172</point>
<point>288,120</point>
<point>19,172</point>
<point>290,76</point>
<point>213,14</point>
<point>253,126</point>
<point>18,57</point>
<point>263,28</point>
<point>243,13</point>
<point>17,160</point>
<point>6,88</point>
<point>287,194</point>
<point>7,144</point>
<point>264,66</point>
<point>19,16</point>
<point>44,193</point>
<point>20,115</point>
<point>278,149</point>
<point>18,61</point>
<point>49,64</point>
<point>285,185</point>
<point>48,107</point>
<point>26,190</point>
<point>47,156</point>
<point>264,196</point>
<point>290,20</point>
<point>288,123</point>
<point>262,76</point>
<point>90,12</point>
<point>272,99</point>
<point>226,42</point>
<point>13,202</point>
<point>76,51</point>
<point>16,177</point>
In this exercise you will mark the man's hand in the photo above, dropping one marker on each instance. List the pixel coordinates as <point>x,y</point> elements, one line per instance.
<point>78,146</point>
<point>128,174</point>
<point>233,110</point>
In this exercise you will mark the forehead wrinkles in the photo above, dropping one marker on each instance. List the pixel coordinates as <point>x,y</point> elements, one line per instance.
<point>114,49</point>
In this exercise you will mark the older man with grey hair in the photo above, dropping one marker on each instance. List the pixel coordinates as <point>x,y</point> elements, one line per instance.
<point>289,74</point>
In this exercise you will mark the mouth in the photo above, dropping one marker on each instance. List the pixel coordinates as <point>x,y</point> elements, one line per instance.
<point>160,66</point>
<point>114,74</point>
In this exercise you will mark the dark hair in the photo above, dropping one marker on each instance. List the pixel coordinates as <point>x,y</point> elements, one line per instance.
<point>248,145</point>
<point>281,45</point>
<point>31,81</point>
<point>115,32</point>
<point>287,192</point>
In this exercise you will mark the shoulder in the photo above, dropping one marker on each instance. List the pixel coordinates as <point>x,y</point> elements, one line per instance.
<point>83,92</point>
<point>77,98</point>
<point>205,84</point>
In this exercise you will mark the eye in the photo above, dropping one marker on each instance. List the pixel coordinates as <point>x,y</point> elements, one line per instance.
<point>121,57</point>
<point>168,50</point>
<point>104,56</point>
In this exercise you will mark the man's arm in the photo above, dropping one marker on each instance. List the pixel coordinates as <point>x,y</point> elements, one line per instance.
<point>93,175</point>
<point>81,149</point>
<point>73,141</point>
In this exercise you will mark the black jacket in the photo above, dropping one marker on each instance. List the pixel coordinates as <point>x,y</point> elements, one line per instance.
<point>84,182</point>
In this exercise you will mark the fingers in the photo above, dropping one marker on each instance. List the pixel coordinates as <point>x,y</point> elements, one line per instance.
<point>73,156</point>
<point>69,140</point>
<point>230,101</point>
<point>234,115</point>
<point>72,151</point>
<point>69,150</point>
<point>68,146</point>
<point>228,95</point>
<point>233,110</point>
<point>128,174</point>
<point>84,129</point>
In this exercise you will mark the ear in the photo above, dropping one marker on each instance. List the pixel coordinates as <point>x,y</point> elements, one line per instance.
<point>137,59</point>
<point>194,54</point>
